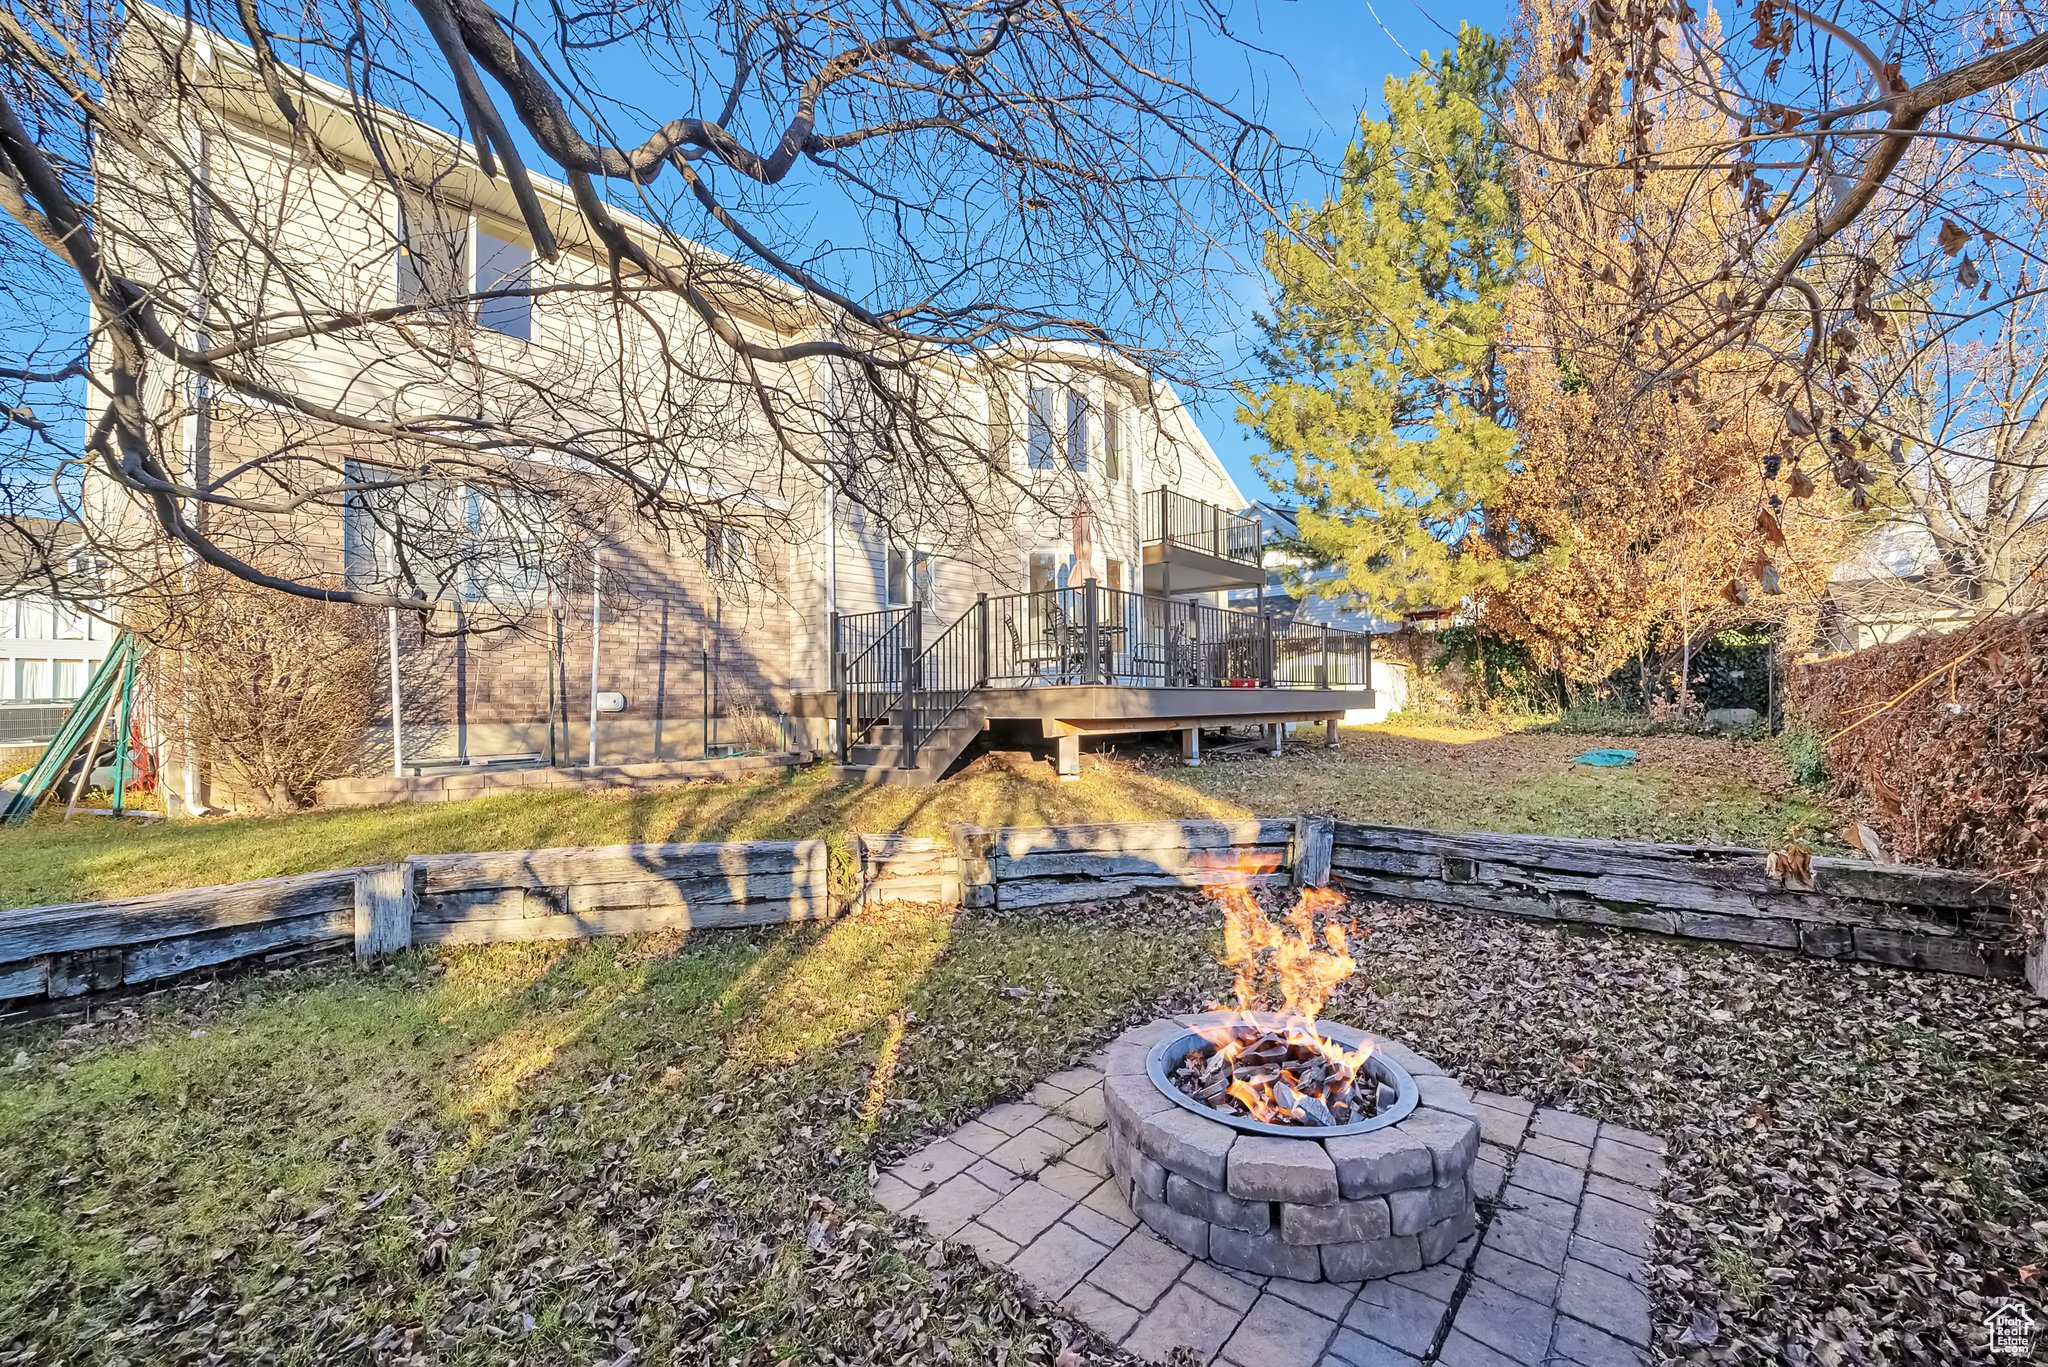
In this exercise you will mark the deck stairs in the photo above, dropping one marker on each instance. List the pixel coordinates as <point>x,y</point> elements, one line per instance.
<point>880,759</point>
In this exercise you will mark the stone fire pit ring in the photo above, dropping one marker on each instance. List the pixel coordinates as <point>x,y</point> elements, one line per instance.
<point>1346,1203</point>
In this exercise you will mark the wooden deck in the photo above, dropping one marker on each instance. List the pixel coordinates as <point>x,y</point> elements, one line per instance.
<point>1120,709</point>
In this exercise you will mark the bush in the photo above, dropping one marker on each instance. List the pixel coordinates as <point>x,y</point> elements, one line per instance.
<point>1805,756</point>
<point>273,693</point>
<point>1947,736</point>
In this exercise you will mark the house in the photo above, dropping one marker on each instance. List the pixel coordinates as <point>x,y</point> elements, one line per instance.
<point>50,640</point>
<point>1066,583</point>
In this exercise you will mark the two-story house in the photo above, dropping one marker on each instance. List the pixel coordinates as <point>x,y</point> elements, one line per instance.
<point>1068,582</point>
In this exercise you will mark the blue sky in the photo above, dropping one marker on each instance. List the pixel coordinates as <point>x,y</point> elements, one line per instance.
<point>1339,54</point>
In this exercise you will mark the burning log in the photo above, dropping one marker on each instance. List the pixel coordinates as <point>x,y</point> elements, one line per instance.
<point>1282,1070</point>
<point>1280,1075</point>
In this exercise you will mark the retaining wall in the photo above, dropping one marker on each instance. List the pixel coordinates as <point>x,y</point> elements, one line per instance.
<point>1918,918</point>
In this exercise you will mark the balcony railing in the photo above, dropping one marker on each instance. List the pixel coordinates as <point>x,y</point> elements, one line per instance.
<point>1174,519</point>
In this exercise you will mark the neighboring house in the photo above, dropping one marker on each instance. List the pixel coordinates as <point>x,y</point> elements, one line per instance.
<point>1895,585</point>
<point>49,646</point>
<point>800,604</point>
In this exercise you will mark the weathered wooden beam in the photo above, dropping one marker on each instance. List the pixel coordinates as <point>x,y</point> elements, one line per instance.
<point>24,980</point>
<point>1723,866</point>
<point>167,958</point>
<point>610,921</point>
<point>1043,892</point>
<point>386,899</point>
<point>32,932</point>
<point>554,868</point>
<point>1015,841</point>
<point>1663,885</point>
<point>977,872</point>
<point>1200,866</point>
<point>1310,852</point>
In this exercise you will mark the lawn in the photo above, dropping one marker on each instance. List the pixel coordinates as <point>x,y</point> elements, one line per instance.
<point>660,1149</point>
<point>1409,774</point>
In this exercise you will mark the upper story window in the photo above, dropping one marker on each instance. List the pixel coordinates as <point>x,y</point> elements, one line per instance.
<point>35,620</point>
<point>1058,427</point>
<point>1114,424</point>
<point>433,251</point>
<point>507,266</point>
<point>445,254</point>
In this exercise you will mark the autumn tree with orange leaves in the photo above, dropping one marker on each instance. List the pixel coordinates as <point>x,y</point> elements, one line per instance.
<point>1647,516</point>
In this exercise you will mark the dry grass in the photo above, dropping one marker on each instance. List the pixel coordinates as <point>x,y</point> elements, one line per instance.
<point>1684,788</point>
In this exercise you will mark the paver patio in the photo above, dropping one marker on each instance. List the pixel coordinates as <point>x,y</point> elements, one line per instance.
<point>1556,1274</point>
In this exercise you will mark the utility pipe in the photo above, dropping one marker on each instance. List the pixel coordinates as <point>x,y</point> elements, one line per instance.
<point>596,620</point>
<point>397,698</point>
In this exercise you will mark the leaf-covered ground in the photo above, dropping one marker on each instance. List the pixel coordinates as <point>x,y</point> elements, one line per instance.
<point>659,1150</point>
<point>1404,773</point>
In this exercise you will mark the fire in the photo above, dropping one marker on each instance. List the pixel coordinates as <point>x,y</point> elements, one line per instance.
<point>1281,1071</point>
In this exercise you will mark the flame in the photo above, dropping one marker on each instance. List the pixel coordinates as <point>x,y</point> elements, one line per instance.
<point>1289,968</point>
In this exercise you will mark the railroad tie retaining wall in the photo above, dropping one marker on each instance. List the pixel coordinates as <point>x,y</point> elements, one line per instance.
<point>1918,918</point>
<point>1886,914</point>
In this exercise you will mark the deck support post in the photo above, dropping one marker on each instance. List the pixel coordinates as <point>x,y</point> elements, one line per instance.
<point>1278,732</point>
<point>1330,732</point>
<point>1191,746</point>
<point>1067,756</point>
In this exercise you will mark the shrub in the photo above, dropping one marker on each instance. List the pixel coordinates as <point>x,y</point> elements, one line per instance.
<point>1947,736</point>
<point>273,693</point>
<point>1805,756</point>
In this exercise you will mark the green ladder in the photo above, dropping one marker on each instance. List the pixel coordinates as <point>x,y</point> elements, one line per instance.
<point>113,682</point>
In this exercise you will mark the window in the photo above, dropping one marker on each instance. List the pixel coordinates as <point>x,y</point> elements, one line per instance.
<point>1057,428</point>
<point>70,623</point>
<point>1038,434</point>
<point>32,680</point>
<point>1044,571</point>
<point>69,680</point>
<point>505,556</point>
<point>908,572</point>
<point>504,265</point>
<point>895,578</point>
<point>35,622</point>
<point>1113,575</point>
<point>1113,442</point>
<point>1077,431</point>
<point>725,551</point>
<point>433,250</point>
<point>447,538</point>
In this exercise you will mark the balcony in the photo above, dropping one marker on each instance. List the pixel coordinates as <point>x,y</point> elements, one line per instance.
<point>1196,547</point>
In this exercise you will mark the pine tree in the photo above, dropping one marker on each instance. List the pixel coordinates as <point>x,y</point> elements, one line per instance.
<point>1383,411</point>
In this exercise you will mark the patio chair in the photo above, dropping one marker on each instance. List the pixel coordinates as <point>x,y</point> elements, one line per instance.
<point>1063,643</point>
<point>1033,662</point>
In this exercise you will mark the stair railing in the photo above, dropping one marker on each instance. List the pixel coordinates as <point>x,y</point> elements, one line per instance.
<point>868,654</point>
<point>940,678</point>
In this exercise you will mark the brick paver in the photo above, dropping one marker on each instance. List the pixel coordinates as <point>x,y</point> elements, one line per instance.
<point>1556,1275</point>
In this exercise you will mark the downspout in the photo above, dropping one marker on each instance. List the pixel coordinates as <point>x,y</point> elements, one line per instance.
<point>196,433</point>
<point>596,620</point>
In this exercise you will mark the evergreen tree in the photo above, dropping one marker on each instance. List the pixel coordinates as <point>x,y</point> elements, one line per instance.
<point>1383,412</point>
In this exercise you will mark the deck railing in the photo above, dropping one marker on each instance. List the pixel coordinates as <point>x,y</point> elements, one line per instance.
<point>1084,635</point>
<point>1176,520</point>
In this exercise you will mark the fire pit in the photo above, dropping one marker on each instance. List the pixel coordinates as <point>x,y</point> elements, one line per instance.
<point>1280,1144</point>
